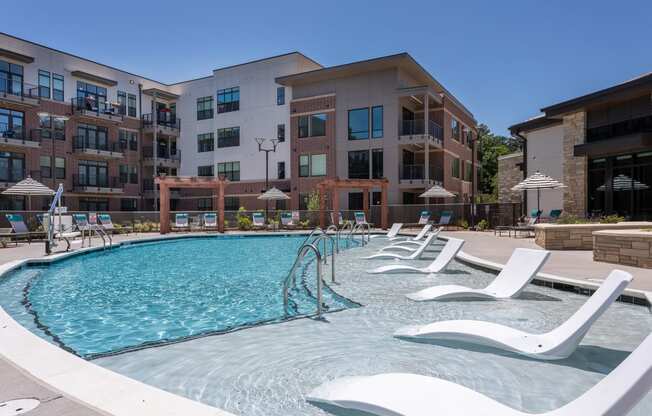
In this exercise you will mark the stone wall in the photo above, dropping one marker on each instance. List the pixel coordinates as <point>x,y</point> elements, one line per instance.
<point>629,247</point>
<point>510,173</point>
<point>575,168</point>
<point>576,236</point>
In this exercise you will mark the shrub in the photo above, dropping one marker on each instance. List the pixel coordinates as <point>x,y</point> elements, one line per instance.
<point>482,225</point>
<point>304,223</point>
<point>566,218</point>
<point>244,222</point>
<point>611,219</point>
<point>313,201</point>
<point>464,224</point>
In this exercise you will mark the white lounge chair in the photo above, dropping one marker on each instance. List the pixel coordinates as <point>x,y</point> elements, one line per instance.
<point>181,222</point>
<point>409,246</point>
<point>210,220</point>
<point>447,254</point>
<point>417,238</point>
<point>520,269</point>
<point>258,220</point>
<point>557,344</point>
<point>393,231</point>
<point>417,253</point>
<point>424,218</point>
<point>403,394</point>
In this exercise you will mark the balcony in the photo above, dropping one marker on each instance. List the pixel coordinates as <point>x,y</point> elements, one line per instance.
<point>164,158</point>
<point>87,147</point>
<point>40,134</point>
<point>97,184</point>
<point>414,132</point>
<point>166,124</point>
<point>20,93</point>
<point>90,108</point>
<point>16,137</point>
<point>413,176</point>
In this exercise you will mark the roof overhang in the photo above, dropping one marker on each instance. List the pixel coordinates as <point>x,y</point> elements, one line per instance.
<point>535,123</point>
<point>16,56</point>
<point>626,144</point>
<point>94,78</point>
<point>162,94</point>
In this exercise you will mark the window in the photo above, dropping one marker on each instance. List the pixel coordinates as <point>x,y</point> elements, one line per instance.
<point>469,138</point>
<point>128,174</point>
<point>228,100</point>
<point>280,170</point>
<point>12,167</point>
<point>468,172</point>
<point>128,204</point>
<point>90,136</point>
<point>124,174</point>
<point>303,201</point>
<point>280,132</point>
<point>304,166</point>
<point>463,134</point>
<point>356,200</point>
<point>131,105</point>
<point>205,170</point>
<point>122,103</point>
<point>94,204</point>
<point>52,127</point>
<point>318,165</point>
<point>377,122</point>
<point>46,166</point>
<point>377,164</point>
<point>133,140</point>
<point>205,204</point>
<point>57,87</point>
<point>60,168</point>
<point>205,142</point>
<point>230,170</point>
<point>92,173</point>
<point>313,125</point>
<point>455,129</point>
<point>11,124</point>
<point>359,124</point>
<point>204,108</point>
<point>128,139</point>
<point>11,78</point>
<point>231,203</point>
<point>123,141</point>
<point>91,97</point>
<point>228,137</point>
<point>359,164</point>
<point>455,164</point>
<point>43,83</point>
<point>280,95</point>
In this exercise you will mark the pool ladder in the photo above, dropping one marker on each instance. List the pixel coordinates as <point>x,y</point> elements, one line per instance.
<point>361,228</point>
<point>306,247</point>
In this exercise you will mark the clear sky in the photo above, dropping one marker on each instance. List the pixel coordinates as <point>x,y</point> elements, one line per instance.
<point>503,59</point>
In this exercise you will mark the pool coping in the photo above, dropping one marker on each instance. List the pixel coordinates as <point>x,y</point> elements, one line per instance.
<point>112,393</point>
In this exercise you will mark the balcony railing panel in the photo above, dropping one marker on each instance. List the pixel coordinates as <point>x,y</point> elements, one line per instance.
<point>148,153</point>
<point>88,105</point>
<point>18,89</point>
<point>85,143</point>
<point>7,132</point>
<point>164,119</point>
<point>417,172</point>
<point>415,127</point>
<point>99,181</point>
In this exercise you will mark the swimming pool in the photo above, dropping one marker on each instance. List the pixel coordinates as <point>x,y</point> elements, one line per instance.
<point>145,294</point>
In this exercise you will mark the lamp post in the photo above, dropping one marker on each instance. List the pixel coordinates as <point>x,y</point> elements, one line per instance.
<point>261,141</point>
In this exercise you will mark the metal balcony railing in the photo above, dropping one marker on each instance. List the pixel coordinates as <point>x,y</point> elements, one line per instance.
<point>85,143</point>
<point>18,89</point>
<point>163,118</point>
<point>98,181</point>
<point>38,134</point>
<point>17,133</point>
<point>417,172</point>
<point>414,127</point>
<point>148,153</point>
<point>89,105</point>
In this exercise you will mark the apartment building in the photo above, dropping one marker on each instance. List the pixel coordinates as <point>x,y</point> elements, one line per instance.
<point>600,146</point>
<point>105,133</point>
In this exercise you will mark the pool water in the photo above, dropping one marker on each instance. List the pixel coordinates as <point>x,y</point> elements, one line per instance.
<point>151,293</point>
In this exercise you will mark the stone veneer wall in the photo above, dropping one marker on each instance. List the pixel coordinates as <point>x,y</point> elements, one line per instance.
<point>509,174</point>
<point>631,248</point>
<point>576,236</point>
<point>575,168</point>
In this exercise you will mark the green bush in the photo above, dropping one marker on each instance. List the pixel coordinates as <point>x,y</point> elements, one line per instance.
<point>244,222</point>
<point>304,223</point>
<point>566,218</point>
<point>464,224</point>
<point>611,219</point>
<point>482,225</point>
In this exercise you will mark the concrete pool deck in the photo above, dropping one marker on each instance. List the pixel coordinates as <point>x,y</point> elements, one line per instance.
<point>578,265</point>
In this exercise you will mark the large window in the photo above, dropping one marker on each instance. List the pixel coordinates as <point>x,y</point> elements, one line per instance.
<point>44,83</point>
<point>455,165</point>
<point>57,87</point>
<point>455,129</point>
<point>128,139</point>
<point>312,165</point>
<point>205,142</point>
<point>93,204</point>
<point>377,164</point>
<point>11,124</point>
<point>230,170</point>
<point>205,204</point>
<point>128,204</point>
<point>359,164</point>
<point>280,132</point>
<point>204,108</point>
<point>313,125</point>
<point>280,170</point>
<point>128,174</point>
<point>377,122</point>
<point>52,127</point>
<point>11,78</point>
<point>228,137</point>
<point>93,173</point>
<point>231,203</point>
<point>304,166</point>
<point>45,163</point>
<point>131,105</point>
<point>90,136</point>
<point>359,124</point>
<point>12,167</point>
<point>122,103</point>
<point>228,100</point>
<point>468,171</point>
<point>93,97</point>
<point>280,95</point>
<point>206,170</point>
<point>46,167</point>
<point>60,168</point>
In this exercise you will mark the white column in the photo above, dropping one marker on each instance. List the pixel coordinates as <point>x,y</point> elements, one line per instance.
<point>426,121</point>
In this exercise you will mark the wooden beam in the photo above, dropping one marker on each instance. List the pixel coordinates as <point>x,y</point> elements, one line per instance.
<point>220,207</point>
<point>384,209</point>
<point>164,206</point>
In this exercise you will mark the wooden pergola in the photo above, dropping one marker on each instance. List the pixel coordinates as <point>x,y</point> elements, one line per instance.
<point>167,182</point>
<point>366,185</point>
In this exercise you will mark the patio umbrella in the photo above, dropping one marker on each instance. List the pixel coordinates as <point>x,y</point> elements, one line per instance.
<point>273,194</point>
<point>538,181</point>
<point>29,187</point>
<point>437,192</point>
<point>624,183</point>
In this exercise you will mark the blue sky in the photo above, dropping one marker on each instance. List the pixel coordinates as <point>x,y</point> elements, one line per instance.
<point>503,59</point>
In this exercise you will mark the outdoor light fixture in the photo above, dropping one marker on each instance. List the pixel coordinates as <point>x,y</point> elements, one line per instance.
<point>261,141</point>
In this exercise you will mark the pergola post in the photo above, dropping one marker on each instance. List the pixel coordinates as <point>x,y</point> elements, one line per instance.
<point>322,205</point>
<point>164,207</point>
<point>365,201</point>
<point>220,207</point>
<point>384,209</point>
<point>336,204</point>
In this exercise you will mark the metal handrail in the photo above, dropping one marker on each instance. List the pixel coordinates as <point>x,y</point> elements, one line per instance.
<point>333,227</point>
<point>341,230</point>
<point>325,237</point>
<point>315,230</point>
<point>290,277</point>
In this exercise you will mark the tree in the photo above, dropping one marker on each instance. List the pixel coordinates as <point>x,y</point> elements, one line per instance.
<point>491,147</point>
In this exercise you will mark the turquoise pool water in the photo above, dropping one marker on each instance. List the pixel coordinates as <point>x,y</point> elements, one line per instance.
<point>150,293</point>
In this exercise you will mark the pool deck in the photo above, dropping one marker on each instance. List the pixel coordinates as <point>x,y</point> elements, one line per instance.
<point>19,383</point>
